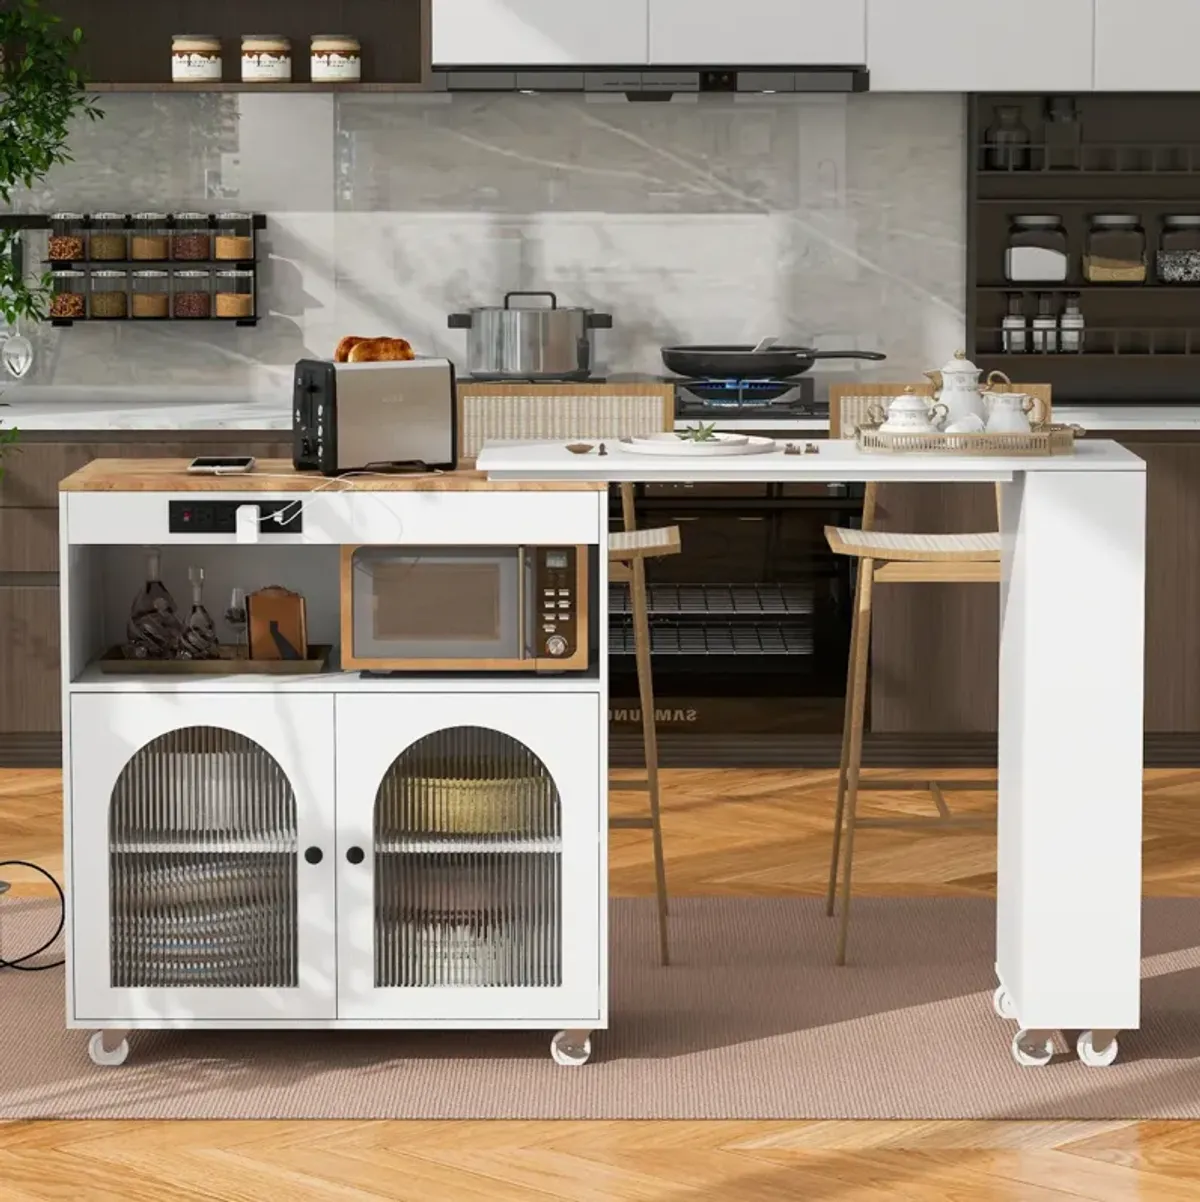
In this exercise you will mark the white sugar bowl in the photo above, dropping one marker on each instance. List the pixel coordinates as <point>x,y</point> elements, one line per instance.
<point>912,414</point>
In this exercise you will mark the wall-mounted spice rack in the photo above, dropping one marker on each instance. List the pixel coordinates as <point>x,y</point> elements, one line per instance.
<point>152,266</point>
<point>1120,176</point>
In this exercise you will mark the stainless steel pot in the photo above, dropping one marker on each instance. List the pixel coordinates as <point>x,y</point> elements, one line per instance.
<point>534,343</point>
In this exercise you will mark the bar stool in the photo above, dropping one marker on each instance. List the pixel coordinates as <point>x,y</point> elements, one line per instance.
<point>627,555</point>
<point>885,557</point>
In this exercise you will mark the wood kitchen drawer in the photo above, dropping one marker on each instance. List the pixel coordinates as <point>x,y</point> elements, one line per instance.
<point>28,540</point>
<point>29,643</point>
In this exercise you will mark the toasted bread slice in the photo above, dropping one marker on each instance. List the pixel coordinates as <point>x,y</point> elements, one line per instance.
<point>381,350</point>
<point>347,344</point>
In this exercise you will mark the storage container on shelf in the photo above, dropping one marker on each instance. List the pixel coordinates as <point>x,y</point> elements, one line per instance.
<point>1116,250</point>
<point>235,237</point>
<point>150,238</point>
<point>150,294</point>
<point>195,58</point>
<point>1178,260</point>
<point>234,294</point>
<point>191,239</point>
<point>1037,250</point>
<point>68,238</point>
<point>191,294</point>
<point>109,294</point>
<point>68,295</point>
<point>109,240</point>
<point>266,58</point>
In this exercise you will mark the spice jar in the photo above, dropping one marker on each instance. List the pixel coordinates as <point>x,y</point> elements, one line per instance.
<point>66,293</point>
<point>1115,251</point>
<point>336,58</point>
<point>235,294</point>
<point>150,238</point>
<point>266,58</point>
<point>235,237</point>
<point>150,294</point>
<point>192,295</point>
<point>192,239</point>
<point>110,294</point>
<point>108,241</point>
<point>67,243</point>
<point>195,58</point>
<point>1178,258</point>
<point>1037,250</point>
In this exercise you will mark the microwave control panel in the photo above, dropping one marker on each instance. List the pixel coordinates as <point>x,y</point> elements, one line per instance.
<point>556,598</point>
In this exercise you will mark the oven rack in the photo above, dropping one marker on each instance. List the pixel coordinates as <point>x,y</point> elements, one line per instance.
<point>716,638</point>
<point>723,600</point>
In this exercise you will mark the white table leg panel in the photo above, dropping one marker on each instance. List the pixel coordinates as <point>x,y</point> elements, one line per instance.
<point>1070,753</point>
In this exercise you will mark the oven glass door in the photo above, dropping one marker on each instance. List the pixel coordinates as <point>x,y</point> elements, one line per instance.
<point>438,603</point>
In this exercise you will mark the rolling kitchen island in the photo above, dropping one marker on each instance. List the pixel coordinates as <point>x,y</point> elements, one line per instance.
<point>322,848</point>
<point>1068,932</point>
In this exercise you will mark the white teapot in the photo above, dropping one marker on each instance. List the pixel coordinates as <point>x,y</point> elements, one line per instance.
<point>960,393</point>
<point>910,414</point>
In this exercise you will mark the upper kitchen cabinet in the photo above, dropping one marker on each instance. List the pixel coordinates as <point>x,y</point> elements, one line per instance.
<point>543,33</point>
<point>955,46</point>
<point>1147,45</point>
<point>758,32</point>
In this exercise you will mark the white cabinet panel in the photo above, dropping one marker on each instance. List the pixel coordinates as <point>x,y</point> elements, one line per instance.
<point>971,46</point>
<point>1147,45</point>
<point>202,844</point>
<point>539,32</point>
<point>469,851</point>
<point>765,32</point>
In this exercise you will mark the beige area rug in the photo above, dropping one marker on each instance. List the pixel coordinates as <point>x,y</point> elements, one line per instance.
<point>752,1022</point>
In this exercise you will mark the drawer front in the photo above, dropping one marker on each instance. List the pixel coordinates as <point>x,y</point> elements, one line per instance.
<point>29,635</point>
<point>28,540</point>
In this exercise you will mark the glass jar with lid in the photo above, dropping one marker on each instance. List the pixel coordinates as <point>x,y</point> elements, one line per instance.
<point>336,58</point>
<point>68,297</point>
<point>150,237</point>
<point>235,237</point>
<point>1116,250</point>
<point>191,239</point>
<point>234,294</point>
<point>108,241</point>
<point>109,294</point>
<point>1178,258</point>
<point>266,58</point>
<point>191,295</point>
<point>1037,250</point>
<point>68,238</point>
<point>195,58</point>
<point>150,295</point>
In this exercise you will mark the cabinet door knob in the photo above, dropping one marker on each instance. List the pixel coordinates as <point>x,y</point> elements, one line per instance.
<point>355,855</point>
<point>314,855</point>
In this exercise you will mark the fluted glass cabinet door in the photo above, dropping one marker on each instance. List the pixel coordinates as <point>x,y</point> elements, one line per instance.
<point>201,857</point>
<point>469,850</point>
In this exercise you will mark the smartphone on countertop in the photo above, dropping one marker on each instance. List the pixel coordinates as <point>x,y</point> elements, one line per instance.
<point>221,465</point>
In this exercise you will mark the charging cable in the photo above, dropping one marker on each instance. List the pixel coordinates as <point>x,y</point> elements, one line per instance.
<point>20,963</point>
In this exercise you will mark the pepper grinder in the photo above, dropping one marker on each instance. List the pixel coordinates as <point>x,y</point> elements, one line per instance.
<point>1045,326</point>
<point>1014,330</point>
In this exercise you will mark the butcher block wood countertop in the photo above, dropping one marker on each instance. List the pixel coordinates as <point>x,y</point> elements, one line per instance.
<point>278,475</point>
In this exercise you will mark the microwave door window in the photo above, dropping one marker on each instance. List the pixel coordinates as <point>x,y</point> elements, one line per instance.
<point>436,605</point>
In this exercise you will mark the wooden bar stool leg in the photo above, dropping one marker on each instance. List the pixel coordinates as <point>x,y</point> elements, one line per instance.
<point>844,761</point>
<point>641,647</point>
<point>858,712</point>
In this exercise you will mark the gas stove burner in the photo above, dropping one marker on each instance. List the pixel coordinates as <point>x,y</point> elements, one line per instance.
<point>739,392</point>
<point>746,398</point>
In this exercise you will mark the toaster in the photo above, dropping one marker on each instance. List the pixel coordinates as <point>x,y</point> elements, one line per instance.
<point>350,417</point>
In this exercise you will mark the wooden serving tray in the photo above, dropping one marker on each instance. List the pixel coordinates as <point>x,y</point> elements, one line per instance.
<point>231,661</point>
<point>1041,440</point>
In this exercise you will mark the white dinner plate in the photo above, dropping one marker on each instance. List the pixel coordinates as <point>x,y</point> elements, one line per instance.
<point>660,436</point>
<point>675,447</point>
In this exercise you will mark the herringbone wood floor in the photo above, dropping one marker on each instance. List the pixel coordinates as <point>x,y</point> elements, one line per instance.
<point>726,832</point>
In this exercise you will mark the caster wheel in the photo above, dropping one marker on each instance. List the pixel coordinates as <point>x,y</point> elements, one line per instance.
<point>107,1059</point>
<point>1090,1056</point>
<point>1031,1050</point>
<point>569,1055</point>
<point>1002,1003</point>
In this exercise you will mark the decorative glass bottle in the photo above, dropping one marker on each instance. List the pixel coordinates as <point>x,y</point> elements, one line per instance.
<point>199,639</point>
<point>1006,141</point>
<point>153,629</point>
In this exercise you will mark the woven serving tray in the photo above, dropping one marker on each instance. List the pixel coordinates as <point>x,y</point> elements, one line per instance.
<point>1042,440</point>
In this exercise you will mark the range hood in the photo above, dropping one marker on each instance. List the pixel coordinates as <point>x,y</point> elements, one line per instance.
<point>646,83</point>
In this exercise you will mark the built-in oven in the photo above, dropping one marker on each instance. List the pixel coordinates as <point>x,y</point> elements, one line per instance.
<point>750,625</point>
<point>520,608</point>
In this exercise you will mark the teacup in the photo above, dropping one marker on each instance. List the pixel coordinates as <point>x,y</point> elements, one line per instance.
<point>970,423</point>
<point>1009,412</point>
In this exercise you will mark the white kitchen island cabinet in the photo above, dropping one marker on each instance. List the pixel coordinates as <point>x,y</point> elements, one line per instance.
<point>1072,603</point>
<point>965,46</point>
<point>424,850</point>
<point>758,33</point>
<point>541,33</point>
<point>1147,45</point>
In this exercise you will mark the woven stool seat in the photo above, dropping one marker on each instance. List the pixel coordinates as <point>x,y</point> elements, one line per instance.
<point>628,545</point>
<point>924,548</point>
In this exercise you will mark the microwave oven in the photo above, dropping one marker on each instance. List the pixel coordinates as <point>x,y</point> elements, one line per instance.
<point>483,609</point>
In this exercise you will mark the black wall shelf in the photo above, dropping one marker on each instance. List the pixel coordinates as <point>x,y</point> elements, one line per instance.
<point>1136,154</point>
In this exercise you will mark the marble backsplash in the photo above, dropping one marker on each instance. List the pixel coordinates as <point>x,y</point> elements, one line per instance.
<point>834,221</point>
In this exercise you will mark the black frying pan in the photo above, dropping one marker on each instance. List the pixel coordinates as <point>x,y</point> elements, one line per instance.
<point>732,362</point>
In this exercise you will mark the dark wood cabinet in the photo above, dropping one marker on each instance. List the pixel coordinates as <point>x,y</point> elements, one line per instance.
<point>30,694</point>
<point>934,646</point>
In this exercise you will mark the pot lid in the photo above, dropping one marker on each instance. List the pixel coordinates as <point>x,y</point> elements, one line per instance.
<point>908,402</point>
<point>960,363</point>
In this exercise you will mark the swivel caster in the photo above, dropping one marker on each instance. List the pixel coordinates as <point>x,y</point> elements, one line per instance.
<point>1032,1049</point>
<point>1002,1003</point>
<point>571,1048</point>
<point>107,1057</point>
<point>1085,1046</point>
